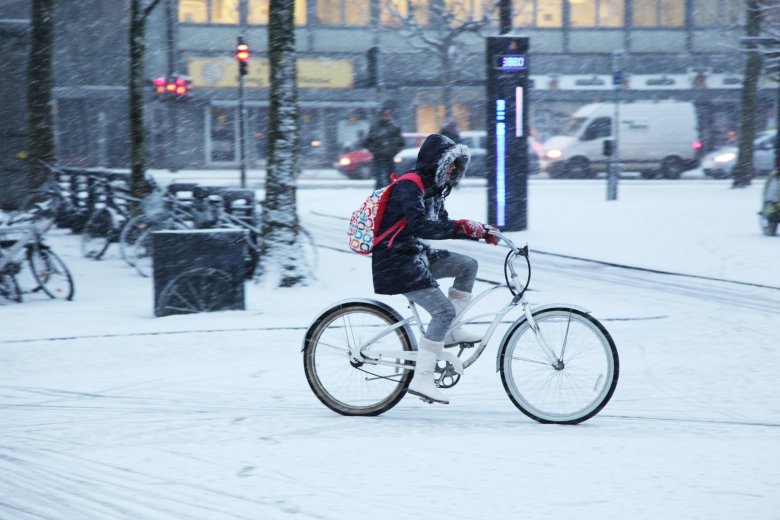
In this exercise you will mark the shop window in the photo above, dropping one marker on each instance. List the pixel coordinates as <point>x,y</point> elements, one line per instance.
<point>258,12</point>
<point>393,10</point>
<point>596,13</point>
<point>222,134</point>
<point>659,13</point>
<point>430,118</point>
<point>344,12</point>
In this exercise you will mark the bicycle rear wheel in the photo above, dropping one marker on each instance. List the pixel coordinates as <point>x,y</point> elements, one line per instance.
<point>578,385</point>
<point>347,387</point>
<point>97,235</point>
<point>50,272</point>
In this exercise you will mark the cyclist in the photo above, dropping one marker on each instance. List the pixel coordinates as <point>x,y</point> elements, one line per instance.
<point>404,264</point>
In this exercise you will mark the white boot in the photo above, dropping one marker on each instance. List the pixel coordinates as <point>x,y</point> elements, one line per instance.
<point>460,300</point>
<point>423,383</point>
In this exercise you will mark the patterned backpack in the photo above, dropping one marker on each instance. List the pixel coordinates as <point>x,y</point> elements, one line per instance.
<point>368,218</point>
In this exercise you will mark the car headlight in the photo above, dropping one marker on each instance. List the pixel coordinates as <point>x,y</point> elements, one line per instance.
<point>725,157</point>
<point>553,154</point>
<point>344,161</point>
<point>397,159</point>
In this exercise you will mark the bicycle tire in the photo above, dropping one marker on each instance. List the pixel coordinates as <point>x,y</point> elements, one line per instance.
<point>9,288</point>
<point>128,235</point>
<point>51,273</point>
<point>560,395</point>
<point>98,233</point>
<point>350,388</point>
<point>201,289</point>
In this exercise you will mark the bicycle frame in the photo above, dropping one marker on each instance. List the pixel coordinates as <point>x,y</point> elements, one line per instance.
<point>380,357</point>
<point>30,236</point>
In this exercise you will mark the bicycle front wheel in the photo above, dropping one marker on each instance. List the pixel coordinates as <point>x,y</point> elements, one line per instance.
<point>572,387</point>
<point>345,386</point>
<point>50,272</point>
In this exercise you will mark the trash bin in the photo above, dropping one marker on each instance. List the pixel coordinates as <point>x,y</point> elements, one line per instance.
<point>198,270</point>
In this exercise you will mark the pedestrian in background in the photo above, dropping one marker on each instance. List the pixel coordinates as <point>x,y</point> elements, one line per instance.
<point>450,129</point>
<point>384,140</point>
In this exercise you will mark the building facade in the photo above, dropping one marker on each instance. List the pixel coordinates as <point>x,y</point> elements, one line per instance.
<point>681,49</point>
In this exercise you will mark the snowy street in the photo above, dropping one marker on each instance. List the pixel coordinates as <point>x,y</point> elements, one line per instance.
<point>111,413</point>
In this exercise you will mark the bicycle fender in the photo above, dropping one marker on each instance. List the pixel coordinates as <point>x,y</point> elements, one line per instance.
<point>360,301</point>
<point>522,320</point>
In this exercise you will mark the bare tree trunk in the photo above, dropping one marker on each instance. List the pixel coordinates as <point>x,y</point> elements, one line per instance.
<point>138,14</point>
<point>280,214</point>
<point>40,82</point>
<point>743,169</point>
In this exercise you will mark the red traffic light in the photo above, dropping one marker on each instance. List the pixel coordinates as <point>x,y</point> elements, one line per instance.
<point>242,52</point>
<point>176,86</point>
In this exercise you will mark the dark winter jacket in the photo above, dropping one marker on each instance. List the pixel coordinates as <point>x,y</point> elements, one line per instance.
<point>384,140</point>
<point>403,267</point>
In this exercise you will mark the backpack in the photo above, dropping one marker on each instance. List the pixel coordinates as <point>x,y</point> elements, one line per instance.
<point>368,218</point>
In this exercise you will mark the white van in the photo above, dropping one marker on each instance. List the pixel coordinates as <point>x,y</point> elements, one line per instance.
<point>656,138</point>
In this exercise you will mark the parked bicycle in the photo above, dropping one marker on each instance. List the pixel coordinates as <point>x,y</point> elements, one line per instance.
<point>107,221</point>
<point>558,364</point>
<point>54,199</point>
<point>21,242</point>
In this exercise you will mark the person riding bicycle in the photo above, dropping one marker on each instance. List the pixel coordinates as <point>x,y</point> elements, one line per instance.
<point>404,264</point>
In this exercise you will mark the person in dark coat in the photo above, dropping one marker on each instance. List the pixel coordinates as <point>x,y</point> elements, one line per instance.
<point>410,266</point>
<point>384,141</point>
<point>450,129</point>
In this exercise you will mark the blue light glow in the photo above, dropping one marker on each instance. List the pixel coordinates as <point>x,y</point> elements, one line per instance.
<point>500,163</point>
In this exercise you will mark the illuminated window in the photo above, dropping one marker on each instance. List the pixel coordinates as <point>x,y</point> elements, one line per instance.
<point>430,118</point>
<point>538,13</point>
<point>549,13</point>
<point>470,9</point>
<point>344,12</point>
<point>224,11</point>
<point>258,12</point>
<point>193,11</point>
<point>596,13</point>
<point>392,10</point>
<point>659,13</point>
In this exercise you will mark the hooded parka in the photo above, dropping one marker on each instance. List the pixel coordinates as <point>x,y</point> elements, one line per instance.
<point>403,267</point>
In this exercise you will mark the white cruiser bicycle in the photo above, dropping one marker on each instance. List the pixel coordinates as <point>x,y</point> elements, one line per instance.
<point>558,364</point>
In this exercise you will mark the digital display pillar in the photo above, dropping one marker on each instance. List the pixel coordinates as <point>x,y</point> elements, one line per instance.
<point>507,132</point>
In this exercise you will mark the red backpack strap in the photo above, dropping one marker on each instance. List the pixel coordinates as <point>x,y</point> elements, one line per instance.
<point>401,224</point>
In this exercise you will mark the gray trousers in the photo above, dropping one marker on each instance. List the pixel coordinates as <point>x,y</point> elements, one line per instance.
<point>433,300</point>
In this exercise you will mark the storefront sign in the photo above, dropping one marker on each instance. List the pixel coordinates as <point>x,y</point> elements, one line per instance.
<point>223,73</point>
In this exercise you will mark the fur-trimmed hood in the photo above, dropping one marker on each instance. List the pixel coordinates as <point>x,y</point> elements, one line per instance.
<point>435,156</point>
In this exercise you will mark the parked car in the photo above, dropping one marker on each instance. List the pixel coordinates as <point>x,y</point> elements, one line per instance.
<point>655,138</point>
<point>356,163</point>
<point>476,140</point>
<point>719,163</point>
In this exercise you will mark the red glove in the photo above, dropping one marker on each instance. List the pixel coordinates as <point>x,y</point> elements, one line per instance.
<point>470,228</point>
<point>493,240</point>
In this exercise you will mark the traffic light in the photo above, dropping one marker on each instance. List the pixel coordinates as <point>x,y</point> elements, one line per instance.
<point>173,87</point>
<point>242,55</point>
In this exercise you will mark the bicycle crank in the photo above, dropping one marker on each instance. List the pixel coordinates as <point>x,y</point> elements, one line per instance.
<point>447,376</point>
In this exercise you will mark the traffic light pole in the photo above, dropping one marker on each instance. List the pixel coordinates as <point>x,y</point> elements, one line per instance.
<point>241,131</point>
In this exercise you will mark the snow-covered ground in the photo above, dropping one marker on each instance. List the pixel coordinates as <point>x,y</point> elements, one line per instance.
<point>110,413</point>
